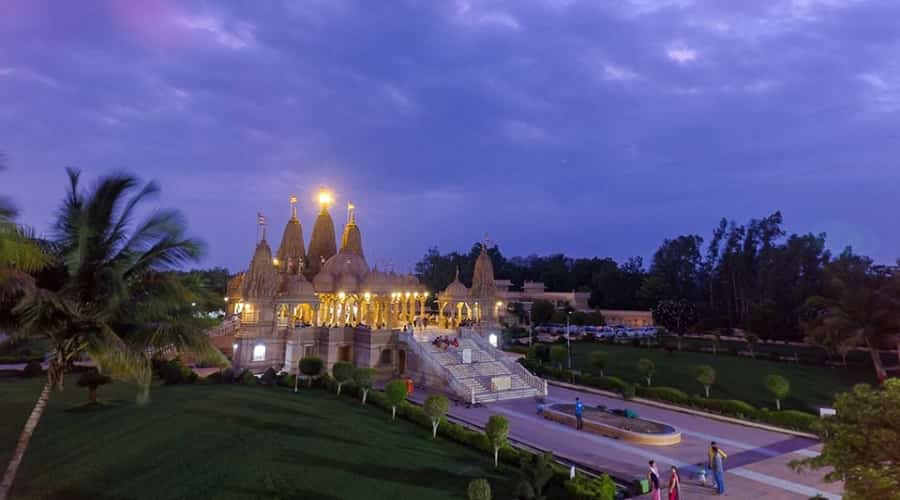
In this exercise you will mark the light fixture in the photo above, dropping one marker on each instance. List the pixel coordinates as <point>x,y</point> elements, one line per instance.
<point>367,295</point>
<point>341,295</point>
<point>325,198</point>
<point>234,347</point>
<point>226,299</point>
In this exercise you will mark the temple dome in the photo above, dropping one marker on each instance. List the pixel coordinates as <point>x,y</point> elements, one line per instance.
<point>261,280</point>
<point>347,262</point>
<point>295,287</point>
<point>322,246</point>
<point>375,282</point>
<point>323,282</point>
<point>456,290</point>
<point>483,276</point>
<point>291,251</point>
<point>348,283</point>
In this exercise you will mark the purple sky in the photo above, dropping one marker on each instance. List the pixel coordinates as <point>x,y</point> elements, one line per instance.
<point>585,127</point>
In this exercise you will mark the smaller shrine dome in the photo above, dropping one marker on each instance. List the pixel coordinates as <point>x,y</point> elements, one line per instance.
<point>346,262</point>
<point>323,282</point>
<point>294,287</point>
<point>375,282</point>
<point>348,283</point>
<point>456,290</point>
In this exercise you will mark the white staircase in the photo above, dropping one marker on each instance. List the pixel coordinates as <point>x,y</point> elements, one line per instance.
<point>472,381</point>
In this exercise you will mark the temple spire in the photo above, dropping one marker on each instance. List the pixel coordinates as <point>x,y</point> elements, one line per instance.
<point>293,207</point>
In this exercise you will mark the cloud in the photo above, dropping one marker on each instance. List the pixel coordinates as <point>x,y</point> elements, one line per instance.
<point>681,53</point>
<point>523,132</point>
<point>618,73</point>
<point>236,36</point>
<point>474,14</point>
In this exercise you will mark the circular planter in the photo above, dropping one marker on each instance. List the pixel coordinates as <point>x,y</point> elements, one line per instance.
<point>633,430</point>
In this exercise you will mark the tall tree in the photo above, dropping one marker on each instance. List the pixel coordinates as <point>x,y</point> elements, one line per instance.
<point>113,295</point>
<point>860,442</point>
<point>861,301</point>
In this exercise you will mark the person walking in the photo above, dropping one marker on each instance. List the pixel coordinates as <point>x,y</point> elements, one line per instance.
<point>674,485</point>
<point>717,464</point>
<point>579,410</point>
<point>653,479</point>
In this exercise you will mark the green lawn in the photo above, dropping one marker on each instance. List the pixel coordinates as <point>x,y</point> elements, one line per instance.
<point>229,441</point>
<point>736,377</point>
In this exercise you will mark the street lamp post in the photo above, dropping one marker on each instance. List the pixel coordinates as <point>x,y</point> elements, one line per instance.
<point>569,340</point>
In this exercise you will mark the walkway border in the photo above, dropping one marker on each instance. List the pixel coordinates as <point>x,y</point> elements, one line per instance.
<point>682,409</point>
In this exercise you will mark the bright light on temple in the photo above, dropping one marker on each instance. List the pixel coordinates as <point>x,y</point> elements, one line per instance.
<point>325,199</point>
<point>275,262</point>
<point>342,295</point>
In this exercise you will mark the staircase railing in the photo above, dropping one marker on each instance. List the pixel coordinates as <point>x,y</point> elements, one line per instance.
<point>226,327</point>
<point>457,387</point>
<point>529,378</point>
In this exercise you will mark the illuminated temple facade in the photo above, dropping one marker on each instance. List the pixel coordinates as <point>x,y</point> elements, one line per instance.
<point>321,300</point>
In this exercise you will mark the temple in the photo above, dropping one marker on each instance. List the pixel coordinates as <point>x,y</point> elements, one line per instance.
<point>327,302</point>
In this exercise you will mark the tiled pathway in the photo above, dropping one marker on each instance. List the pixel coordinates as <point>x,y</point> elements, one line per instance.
<point>756,468</point>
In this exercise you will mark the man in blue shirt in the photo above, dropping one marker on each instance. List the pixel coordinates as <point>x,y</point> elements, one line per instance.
<point>579,409</point>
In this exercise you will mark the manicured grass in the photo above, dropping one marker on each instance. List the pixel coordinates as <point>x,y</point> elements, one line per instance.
<point>230,441</point>
<point>736,377</point>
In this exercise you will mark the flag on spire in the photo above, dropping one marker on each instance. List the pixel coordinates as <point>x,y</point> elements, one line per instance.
<point>260,218</point>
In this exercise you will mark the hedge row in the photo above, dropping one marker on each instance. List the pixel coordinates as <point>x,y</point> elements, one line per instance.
<point>789,419</point>
<point>477,440</point>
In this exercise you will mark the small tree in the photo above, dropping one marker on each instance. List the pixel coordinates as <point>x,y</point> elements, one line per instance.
<point>311,366</point>
<point>558,355</point>
<point>536,471</point>
<point>363,377</point>
<point>677,316</point>
<point>436,407</point>
<point>479,489</point>
<point>706,375</point>
<point>542,311</point>
<point>779,387</point>
<point>598,360</point>
<point>751,339</point>
<point>497,432</point>
<point>92,380</point>
<point>395,392</point>
<point>342,373</point>
<point>646,368</point>
<point>715,342</point>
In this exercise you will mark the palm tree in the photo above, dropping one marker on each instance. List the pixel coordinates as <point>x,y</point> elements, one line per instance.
<point>113,293</point>
<point>861,303</point>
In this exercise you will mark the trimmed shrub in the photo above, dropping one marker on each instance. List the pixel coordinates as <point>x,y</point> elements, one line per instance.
<point>732,407</point>
<point>647,368</point>
<point>479,489</point>
<point>587,488</point>
<point>33,369</point>
<point>628,392</point>
<point>363,377</point>
<point>92,380</point>
<point>174,372</point>
<point>311,366</point>
<point>669,394</point>
<point>343,373</point>
<point>269,377</point>
<point>246,378</point>
<point>790,419</point>
<point>436,407</point>
<point>395,395</point>
<point>779,387</point>
<point>227,376</point>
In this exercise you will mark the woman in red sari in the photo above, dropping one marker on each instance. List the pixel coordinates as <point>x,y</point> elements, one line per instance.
<point>674,485</point>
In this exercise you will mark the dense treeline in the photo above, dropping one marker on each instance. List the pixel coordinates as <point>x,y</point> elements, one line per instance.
<point>751,276</point>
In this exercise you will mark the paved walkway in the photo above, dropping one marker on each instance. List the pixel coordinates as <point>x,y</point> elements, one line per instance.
<point>757,459</point>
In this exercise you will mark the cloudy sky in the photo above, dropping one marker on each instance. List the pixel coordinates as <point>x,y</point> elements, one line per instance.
<point>591,127</point>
